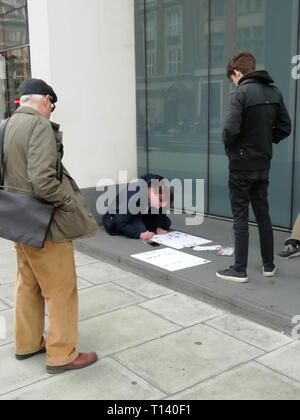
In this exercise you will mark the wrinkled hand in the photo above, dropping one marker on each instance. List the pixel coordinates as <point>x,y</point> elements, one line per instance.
<point>146,236</point>
<point>161,231</point>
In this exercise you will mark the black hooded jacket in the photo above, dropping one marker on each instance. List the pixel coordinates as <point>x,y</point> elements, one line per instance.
<point>128,224</point>
<point>257,117</point>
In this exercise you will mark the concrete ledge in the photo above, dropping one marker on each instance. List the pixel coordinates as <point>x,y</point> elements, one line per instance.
<point>271,302</point>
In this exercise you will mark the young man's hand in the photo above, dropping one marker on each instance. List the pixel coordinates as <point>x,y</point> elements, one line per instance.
<point>161,231</point>
<point>146,236</point>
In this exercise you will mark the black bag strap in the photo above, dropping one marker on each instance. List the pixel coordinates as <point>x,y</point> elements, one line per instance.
<point>2,134</point>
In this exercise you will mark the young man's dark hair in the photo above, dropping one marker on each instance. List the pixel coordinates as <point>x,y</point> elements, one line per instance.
<point>243,62</point>
<point>256,118</point>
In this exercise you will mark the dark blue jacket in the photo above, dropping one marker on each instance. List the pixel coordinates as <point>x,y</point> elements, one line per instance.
<point>133,225</point>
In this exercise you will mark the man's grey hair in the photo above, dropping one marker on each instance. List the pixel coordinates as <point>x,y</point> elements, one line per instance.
<point>34,98</point>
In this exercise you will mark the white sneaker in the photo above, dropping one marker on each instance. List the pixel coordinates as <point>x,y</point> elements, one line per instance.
<point>270,273</point>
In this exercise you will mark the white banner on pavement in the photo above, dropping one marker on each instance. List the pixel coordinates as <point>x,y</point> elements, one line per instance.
<point>170,259</point>
<point>180,240</point>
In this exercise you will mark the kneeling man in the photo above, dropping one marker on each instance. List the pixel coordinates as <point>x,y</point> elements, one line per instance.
<point>145,218</point>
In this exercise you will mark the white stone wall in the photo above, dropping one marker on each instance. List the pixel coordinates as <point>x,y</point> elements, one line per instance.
<point>86,51</point>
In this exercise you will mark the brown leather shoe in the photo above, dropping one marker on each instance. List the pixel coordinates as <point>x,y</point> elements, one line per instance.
<point>28,356</point>
<point>83,360</point>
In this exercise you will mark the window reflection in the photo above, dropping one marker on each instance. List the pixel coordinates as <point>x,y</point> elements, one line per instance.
<point>14,28</point>
<point>176,71</point>
<point>14,69</point>
<point>188,45</point>
<point>14,57</point>
<point>8,5</point>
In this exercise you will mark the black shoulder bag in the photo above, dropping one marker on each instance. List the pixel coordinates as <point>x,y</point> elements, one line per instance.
<point>23,218</point>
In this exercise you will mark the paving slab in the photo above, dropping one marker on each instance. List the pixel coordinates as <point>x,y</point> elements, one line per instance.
<point>8,282</point>
<point>5,244</point>
<point>83,284</point>
<point>285,360</point>
<point>187,357</point>
<point>8,255</point>
<point>251,382</point>
<point>7,294</point>
<point>8,273</point>
<point>3,306</point>
<point>182,309</point>
<point>271,302</point>
<point>142,286</point>
<point>100,273</point>
<point>119,330</point>
<point>104,298</point>
<point>8,316</point>
<point>248,331</point>
<point>83,259</point>
<point>15,374</point>
<point>106,380</point>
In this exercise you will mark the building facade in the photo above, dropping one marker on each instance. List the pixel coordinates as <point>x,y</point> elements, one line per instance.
<point>142,85</point>
<point>182,49</point>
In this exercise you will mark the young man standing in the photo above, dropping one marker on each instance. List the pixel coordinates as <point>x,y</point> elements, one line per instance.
<point>256,118</point>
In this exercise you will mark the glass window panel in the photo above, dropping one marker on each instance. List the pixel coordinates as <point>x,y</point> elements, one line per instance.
<point>150,28</point>
<point>141,87</point>
<point>296,206</point>
<point>1,35</point>
<point>296,201</point>
<point>218,9</point>
<point>177,110</point>
<point>8,5</point>
<point>15,29</point>
<point>185,91</point>
<point>3,101</point>
<point>14,69</point>
<point>254,25</point>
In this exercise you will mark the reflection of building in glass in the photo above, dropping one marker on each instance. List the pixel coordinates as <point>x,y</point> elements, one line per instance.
<point>171,81</point>
<point>14,50</point>
<point>251,27</point>
<point>180,36</point>
<point>14,25</point>
<point>183,91</point>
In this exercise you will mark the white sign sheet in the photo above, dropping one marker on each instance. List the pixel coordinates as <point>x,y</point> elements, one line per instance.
<point>170,259</point>
<point>180,240</point>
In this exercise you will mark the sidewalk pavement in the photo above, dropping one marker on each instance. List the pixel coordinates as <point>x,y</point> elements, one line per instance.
<point>153,344</point>
<point>272,302</point>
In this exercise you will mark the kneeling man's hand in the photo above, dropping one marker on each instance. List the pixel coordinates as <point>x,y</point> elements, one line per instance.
<point>161,231</point>
<point>146,236</point>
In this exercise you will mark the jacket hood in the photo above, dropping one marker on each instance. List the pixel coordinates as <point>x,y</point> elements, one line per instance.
<point>261,76</point>
<point>148,178</point>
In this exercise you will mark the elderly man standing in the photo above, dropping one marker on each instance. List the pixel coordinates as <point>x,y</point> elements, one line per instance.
<point>33,151</point>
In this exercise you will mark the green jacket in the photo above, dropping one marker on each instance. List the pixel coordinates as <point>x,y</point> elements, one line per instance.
<point>32,164</point>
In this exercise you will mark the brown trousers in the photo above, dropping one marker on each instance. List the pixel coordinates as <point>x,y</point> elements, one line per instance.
<point>47,276</point>
<point>296,230</point>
